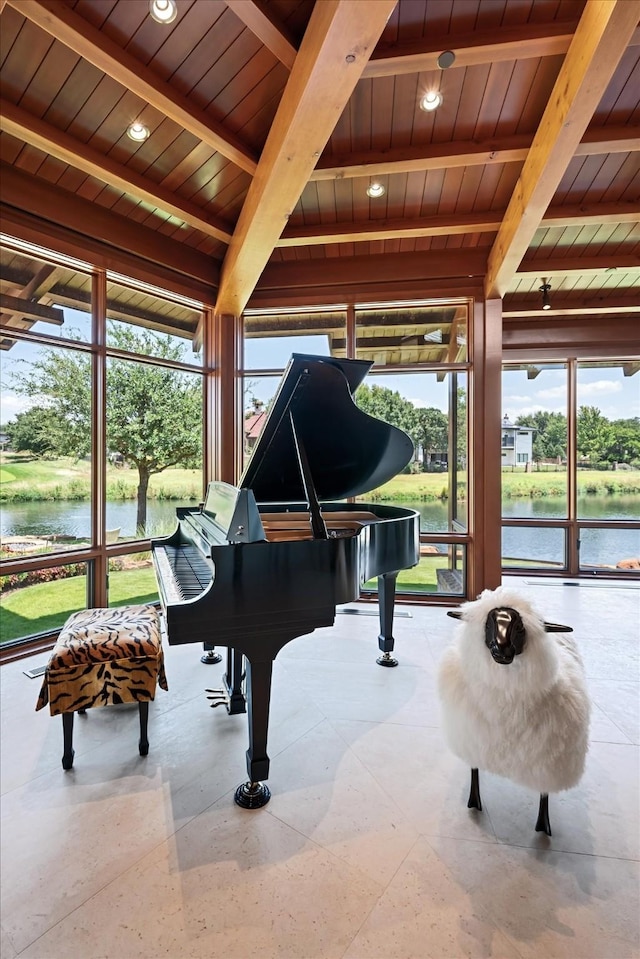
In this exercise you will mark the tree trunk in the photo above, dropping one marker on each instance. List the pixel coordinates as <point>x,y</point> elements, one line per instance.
<point>143,486</point>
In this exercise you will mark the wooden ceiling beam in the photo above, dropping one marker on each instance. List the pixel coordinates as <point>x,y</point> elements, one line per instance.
<point>18,306</point>
<point>472,49</point>
<point>56,143</point>
<point>260,21</point>
<point>444,156</point>
<point>336,46</point>
<point>61,22</point>
<point>604,261</point>
<point>581,303</point>
<point>601,38</point>
<point>451,225</point>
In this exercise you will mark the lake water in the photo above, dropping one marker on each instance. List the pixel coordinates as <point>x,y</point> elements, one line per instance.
<point>599,546</point>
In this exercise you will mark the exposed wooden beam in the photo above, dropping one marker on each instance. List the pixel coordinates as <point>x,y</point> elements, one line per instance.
<point>55,142</point>
<point>259,19</point>
<point>587,265</point>
<point>378,268</point>
<point>336,46</point>
<point>444,156</point>
<point>450,225</point>
<point>472,49</point>
<point>602,36</point>
<point>61,22</point>
<point>575,304</point>
<point>52,205</point>
<point>16,305</point>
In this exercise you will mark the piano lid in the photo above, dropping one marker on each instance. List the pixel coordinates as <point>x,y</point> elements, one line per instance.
<point>348,451</point>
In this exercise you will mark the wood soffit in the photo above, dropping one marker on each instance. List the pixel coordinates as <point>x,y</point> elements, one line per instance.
<point>268,120</point>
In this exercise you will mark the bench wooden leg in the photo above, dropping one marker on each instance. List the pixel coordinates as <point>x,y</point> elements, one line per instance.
<point>67,731</point>
<point>143,745</point>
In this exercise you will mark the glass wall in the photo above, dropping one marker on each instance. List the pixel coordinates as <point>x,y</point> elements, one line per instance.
<point>86,394</point>
<point>589,514</point>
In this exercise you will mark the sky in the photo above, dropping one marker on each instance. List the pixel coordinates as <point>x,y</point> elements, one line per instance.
<point>615,395</point>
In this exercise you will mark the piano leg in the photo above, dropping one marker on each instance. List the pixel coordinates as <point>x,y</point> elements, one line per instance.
<point>210,657</point>
<point>386,601</point>
<point>253,794</point>
<point>233,682</point>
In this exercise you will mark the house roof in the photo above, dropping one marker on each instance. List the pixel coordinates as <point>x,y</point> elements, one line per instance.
<point>269,119</point>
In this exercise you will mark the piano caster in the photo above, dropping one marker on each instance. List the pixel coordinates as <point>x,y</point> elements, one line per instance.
<point>386,660</point>
<point>210,658</point>
<point>252,795</point>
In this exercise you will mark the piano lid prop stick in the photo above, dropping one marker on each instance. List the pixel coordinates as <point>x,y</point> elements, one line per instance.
<point>317,523</point>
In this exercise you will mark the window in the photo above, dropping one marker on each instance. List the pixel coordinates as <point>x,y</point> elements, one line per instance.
<point>71,408</point>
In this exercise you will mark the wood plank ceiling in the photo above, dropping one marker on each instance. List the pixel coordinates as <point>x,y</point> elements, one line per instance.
<point>268,119</point>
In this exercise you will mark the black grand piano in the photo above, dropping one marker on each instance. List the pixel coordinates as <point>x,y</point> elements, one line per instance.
<point>256,566</point>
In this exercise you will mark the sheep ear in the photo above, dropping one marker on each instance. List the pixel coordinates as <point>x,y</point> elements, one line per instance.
<point>455,613</point>
<point>557,628</point>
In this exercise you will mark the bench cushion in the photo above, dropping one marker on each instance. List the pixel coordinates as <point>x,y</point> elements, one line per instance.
<point>104,657</point>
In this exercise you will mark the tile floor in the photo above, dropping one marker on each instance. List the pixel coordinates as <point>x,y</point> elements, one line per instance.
<point>367,849</point>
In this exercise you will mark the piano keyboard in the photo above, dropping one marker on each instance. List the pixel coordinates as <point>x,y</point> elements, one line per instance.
<point>183,570</point>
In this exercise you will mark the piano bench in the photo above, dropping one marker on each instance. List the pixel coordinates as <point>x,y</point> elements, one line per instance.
<point>104,657</point>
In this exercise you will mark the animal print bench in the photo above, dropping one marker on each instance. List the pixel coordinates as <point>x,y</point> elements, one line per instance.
<point>104,657</point>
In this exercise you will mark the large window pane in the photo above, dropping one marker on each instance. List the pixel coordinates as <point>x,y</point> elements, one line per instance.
<point>533,547</point>
<point>608,440</point>
<point>610,550</point>
<point>534,440</point>
<point>39,601</point>
<point>271,338</point>
<point>132,579</point>
<point>402,335</point>
<point>46,467</point>
<point>145,322</point>
<point>44,297</point>
<point>441,570</point>
<point>154,437</point>
<point>431,408</point>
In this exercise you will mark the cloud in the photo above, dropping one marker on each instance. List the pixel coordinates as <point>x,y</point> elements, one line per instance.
<point>553,393</point>
<point>598,388</point>
<point>515,398</point>
<point>11,405</point>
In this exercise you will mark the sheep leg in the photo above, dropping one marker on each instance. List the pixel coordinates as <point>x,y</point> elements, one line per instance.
<point>474,801</point>
<point>543,824</point>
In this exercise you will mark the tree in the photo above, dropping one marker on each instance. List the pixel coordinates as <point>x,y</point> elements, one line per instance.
<point>154,412</point>
<point>550,437</point>
<point>432,431</point>
<point>595,434</point>
<point>625,444</point>
<point>390,406</point>
<point>34,431</point>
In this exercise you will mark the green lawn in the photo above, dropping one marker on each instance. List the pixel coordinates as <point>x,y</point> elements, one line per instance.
<point>44,607</point>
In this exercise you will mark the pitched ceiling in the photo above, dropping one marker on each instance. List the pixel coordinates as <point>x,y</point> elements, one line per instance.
<point>268,120</point>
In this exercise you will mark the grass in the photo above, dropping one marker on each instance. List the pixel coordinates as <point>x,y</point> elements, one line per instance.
<point>44,607</point>
<point>27,478</point>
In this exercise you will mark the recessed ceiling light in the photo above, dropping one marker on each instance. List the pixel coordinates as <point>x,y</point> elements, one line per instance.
<point>376,189</point>
<point>163,11</point>
<point>138,131</point>
<point>431,101</point>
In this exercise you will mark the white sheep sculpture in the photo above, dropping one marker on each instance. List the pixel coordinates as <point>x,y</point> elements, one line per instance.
<point>514,698</point>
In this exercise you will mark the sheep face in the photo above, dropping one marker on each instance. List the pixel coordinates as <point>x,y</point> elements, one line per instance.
<point>504,634</point>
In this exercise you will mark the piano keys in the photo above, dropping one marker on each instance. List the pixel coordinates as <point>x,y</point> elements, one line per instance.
<point>257,566</point>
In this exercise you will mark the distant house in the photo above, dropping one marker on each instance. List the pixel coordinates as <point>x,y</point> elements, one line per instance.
<point>517,443</point>
<point>252,427</point>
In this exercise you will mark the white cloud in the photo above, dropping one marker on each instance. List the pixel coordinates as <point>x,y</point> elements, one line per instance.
<point>11,405</point>
<point>598,388</point>
<point>553,393</point>
<point>515,398</point>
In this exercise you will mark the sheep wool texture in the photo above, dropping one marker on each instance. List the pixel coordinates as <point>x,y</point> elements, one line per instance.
<point>527,721</point>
